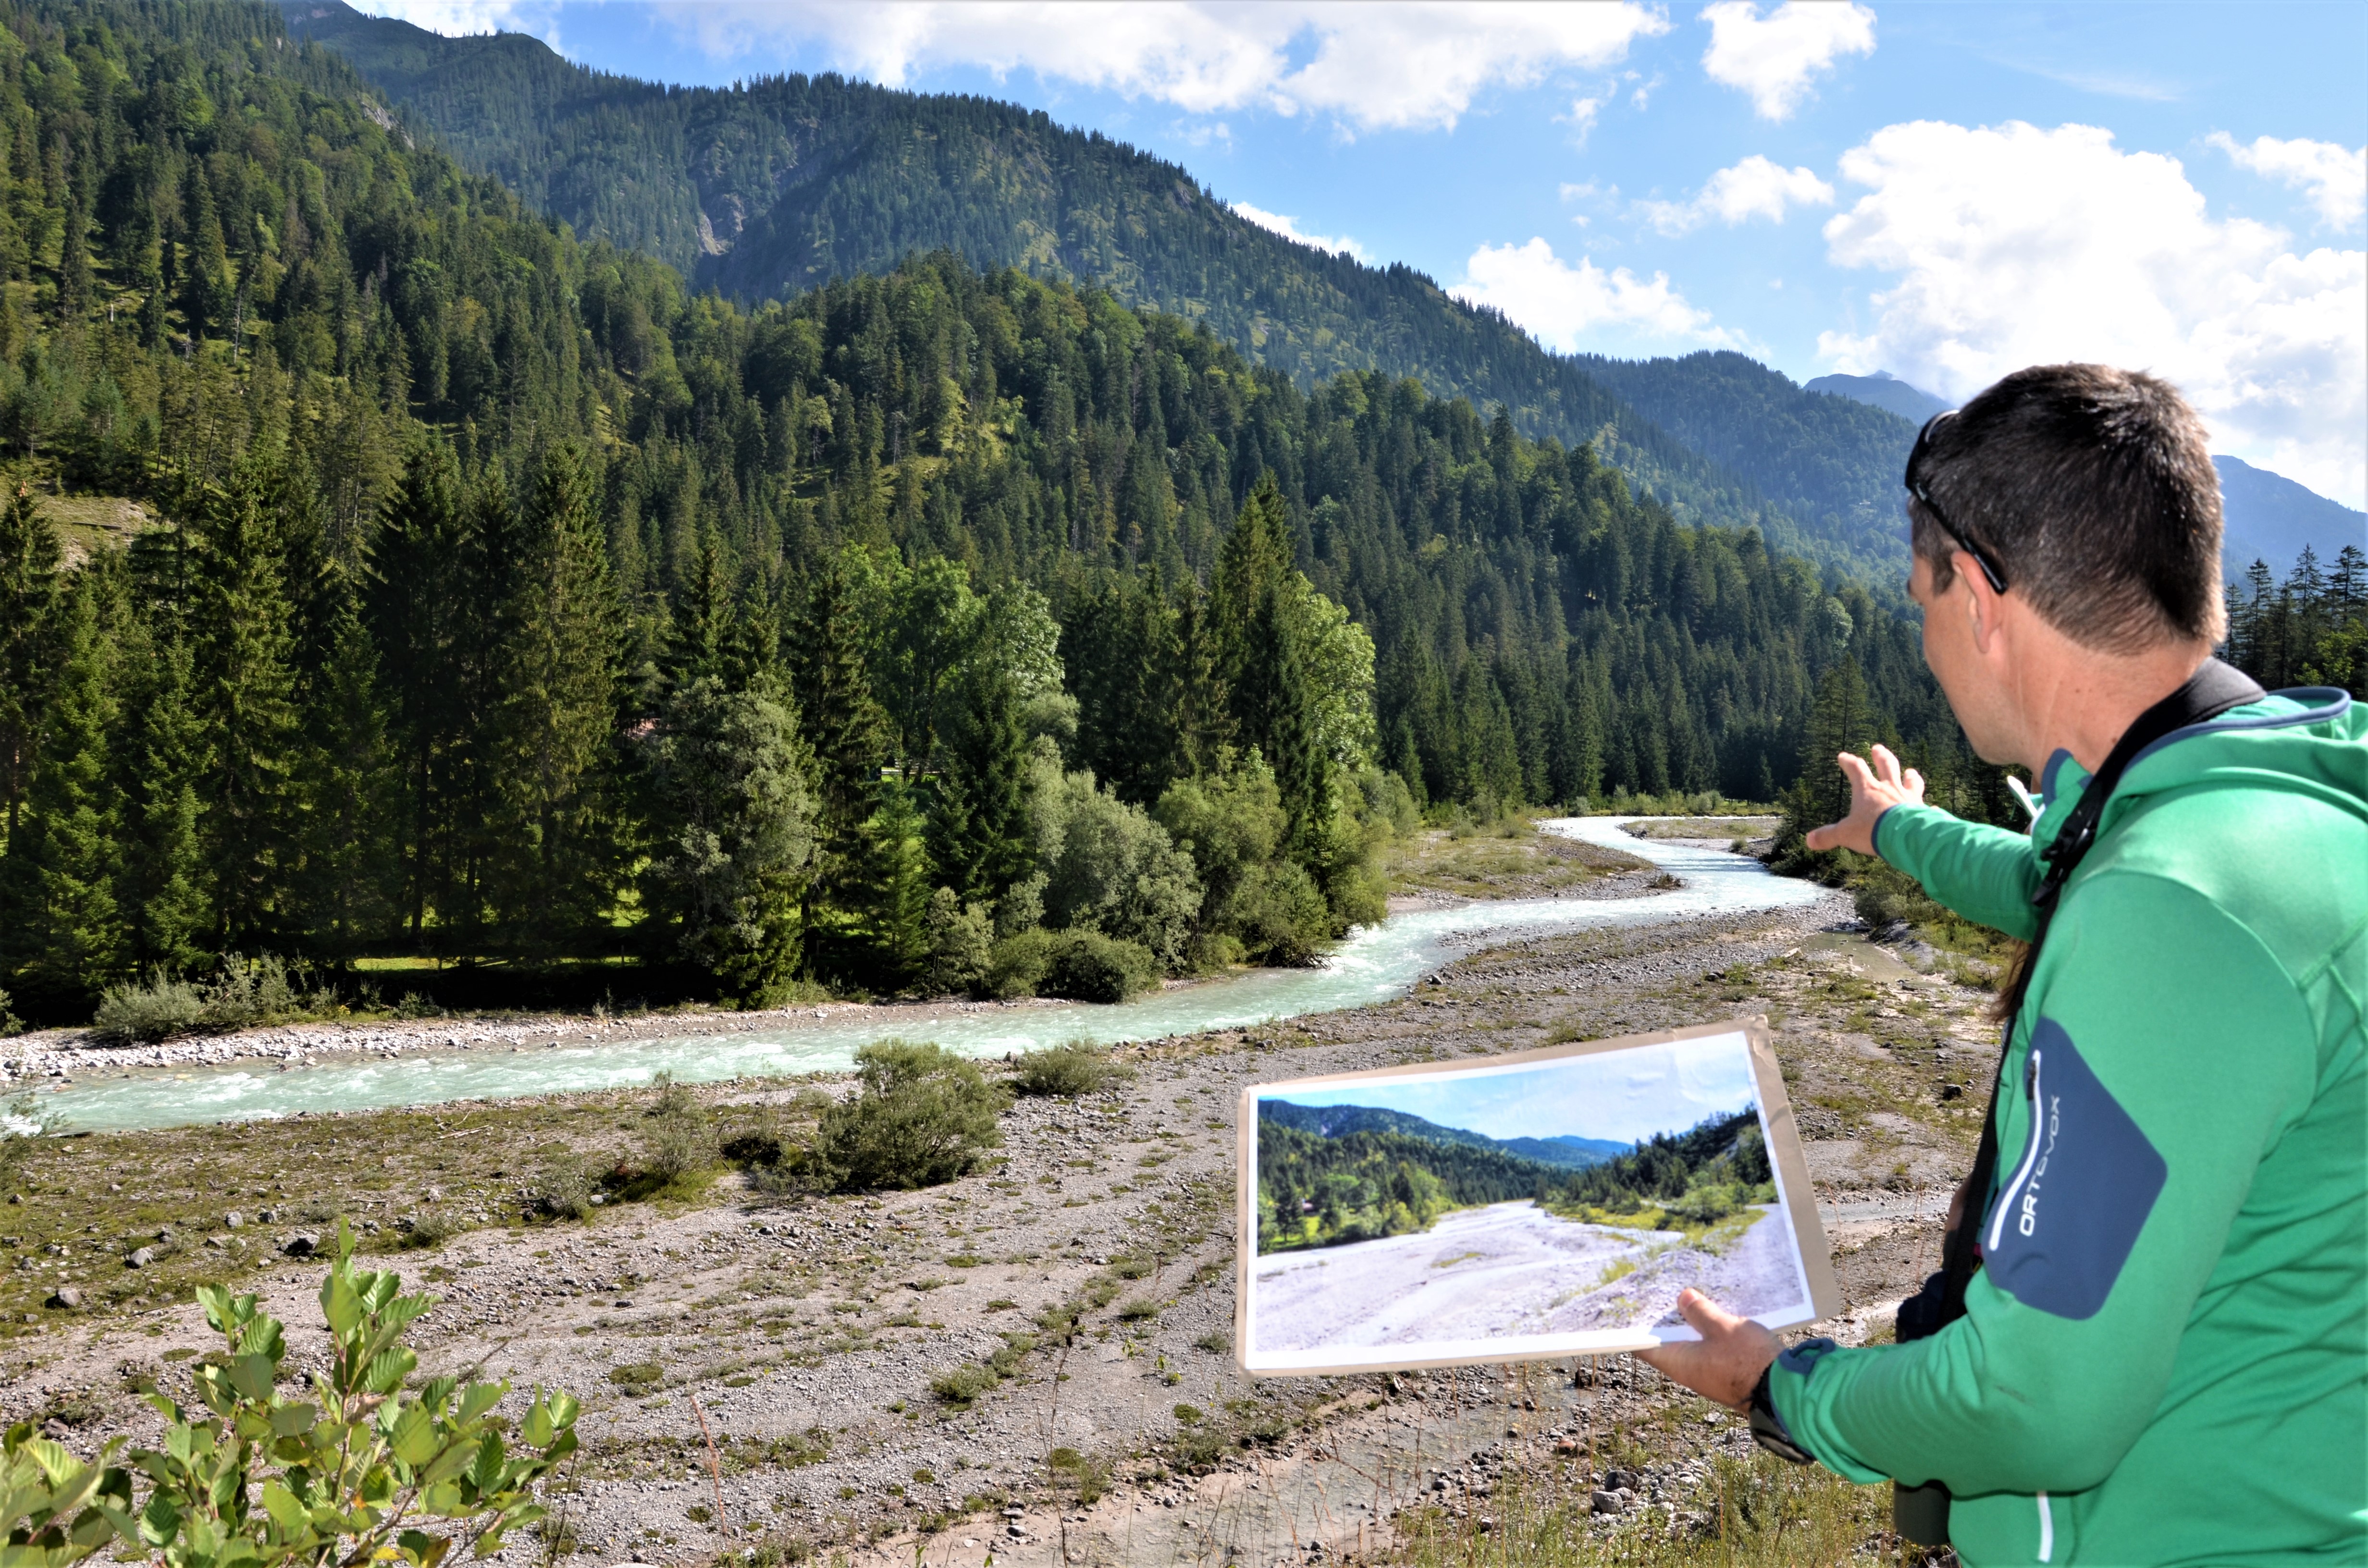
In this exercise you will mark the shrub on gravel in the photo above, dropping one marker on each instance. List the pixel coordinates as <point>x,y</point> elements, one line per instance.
<point>243,993</point>
<point>565,1192</point>
<point>921,1116</point>
<point>1068,1071</point>
<point>680,1139</point>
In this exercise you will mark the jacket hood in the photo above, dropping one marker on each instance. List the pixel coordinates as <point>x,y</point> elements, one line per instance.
<point>2308,740</point>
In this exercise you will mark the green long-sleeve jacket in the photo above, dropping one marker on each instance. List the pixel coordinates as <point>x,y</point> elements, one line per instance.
<point>2164,1358</point>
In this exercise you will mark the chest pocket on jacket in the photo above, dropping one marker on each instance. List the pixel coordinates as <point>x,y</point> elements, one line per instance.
<point>2060,1232</point>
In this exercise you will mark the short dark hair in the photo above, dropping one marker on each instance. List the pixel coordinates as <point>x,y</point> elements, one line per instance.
<point>2092,492</point>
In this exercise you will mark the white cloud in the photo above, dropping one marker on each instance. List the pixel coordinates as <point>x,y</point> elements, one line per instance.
<point>456,18</point>
<point>1289,229</point>
<point>2011,245</point>
<point>1582,115</point>
<point>1770,59</point>
<point>1371,65</point>
<point>2335,180</point>
<point>1756,187</point>
<point>1566,306</point>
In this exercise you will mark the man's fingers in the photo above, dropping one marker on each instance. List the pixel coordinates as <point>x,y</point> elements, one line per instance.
<point>1827,837</point>
<point>1854,768</point>
<point>1886,764</point>
<point>1915,782</point>
<point>1703,1315</point>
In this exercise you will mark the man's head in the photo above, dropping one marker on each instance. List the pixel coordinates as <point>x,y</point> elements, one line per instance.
<point>2090,493</point>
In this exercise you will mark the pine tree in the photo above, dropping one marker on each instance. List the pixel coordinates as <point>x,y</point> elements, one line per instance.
<point>205,294</point>
<point>60,931</point>
<point>1255,556</point>
<point>558,714</point>
<point>28,585</point>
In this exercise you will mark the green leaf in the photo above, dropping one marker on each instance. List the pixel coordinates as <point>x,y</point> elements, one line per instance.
<point>387,1369</point>
<point>285,1511</point>
<point>293,1420</point>
<point>478,1399</point>
<point>487,1470</point>
<point>445,1500</point>
<point>415,1439</point>
<point>253,1376</point>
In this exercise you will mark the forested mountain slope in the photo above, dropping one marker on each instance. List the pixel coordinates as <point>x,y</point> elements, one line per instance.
<point>787,182</point>
<point>1830,466</point>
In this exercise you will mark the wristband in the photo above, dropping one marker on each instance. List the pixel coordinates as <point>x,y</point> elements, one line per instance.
<point>1768,1428</point>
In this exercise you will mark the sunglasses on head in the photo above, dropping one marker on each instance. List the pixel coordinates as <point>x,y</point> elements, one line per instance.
<point>1916,488</point>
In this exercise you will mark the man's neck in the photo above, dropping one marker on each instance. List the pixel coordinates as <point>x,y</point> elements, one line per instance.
<point>2084,702</point>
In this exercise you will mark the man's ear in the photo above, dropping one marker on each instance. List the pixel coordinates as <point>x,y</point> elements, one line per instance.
<point>1984,605</point>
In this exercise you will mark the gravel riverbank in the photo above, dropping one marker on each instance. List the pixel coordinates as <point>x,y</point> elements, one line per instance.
<point>809,1334</point>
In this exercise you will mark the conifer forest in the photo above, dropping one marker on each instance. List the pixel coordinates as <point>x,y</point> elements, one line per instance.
<point>465,590</point>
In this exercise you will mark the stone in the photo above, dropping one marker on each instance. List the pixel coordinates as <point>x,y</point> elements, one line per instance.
<point>141,1258</point>
<point>303,1243</point>
<point>265,1216</point>
<point>1621,1481</point>
<point>1607,1503</point>
<point>233,1219</point>
<point>67,1296</point>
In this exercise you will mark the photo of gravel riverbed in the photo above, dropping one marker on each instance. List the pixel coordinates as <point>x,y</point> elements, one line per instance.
<point>1512,1210</point>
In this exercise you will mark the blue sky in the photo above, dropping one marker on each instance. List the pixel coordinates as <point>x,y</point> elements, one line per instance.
<point>1624,1096</point>
<point>1942,191</point>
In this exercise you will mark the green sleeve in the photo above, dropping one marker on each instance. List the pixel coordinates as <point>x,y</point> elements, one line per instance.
<point>2149,983</point>
<point>1986,874</point>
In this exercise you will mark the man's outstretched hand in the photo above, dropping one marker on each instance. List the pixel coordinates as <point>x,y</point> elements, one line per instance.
<point>1874,790</point>
<point>1724,1364</point>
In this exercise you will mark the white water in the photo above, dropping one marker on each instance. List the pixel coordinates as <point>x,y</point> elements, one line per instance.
<point>1374,964</point>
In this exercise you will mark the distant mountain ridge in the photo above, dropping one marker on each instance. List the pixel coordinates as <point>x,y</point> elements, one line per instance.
<point>1339,1122</point>
<point>2268,517</point>
<point>785,182</point>
<point>1884,391</point>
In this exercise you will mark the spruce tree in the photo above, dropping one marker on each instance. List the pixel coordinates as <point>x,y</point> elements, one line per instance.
<point>241,628</point>
<point>61,931</point>
<point>28,585</point>
<point>161,763</point>
<point>732,834</point>
<point>978,822</point>
<point>841,723</point>
<point>346,788</point>
<point>897,885</point>
<point>417,597</point>
<point>558,715</point>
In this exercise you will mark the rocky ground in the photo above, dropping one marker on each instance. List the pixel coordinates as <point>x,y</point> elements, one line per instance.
<point>862,1375</point>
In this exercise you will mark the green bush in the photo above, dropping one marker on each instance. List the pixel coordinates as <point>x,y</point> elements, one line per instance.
<point>1086,966</point>
<point>1068,1071</point>
<point>243,993</point>
<point>147,1010</point>
<point>921,1116</point>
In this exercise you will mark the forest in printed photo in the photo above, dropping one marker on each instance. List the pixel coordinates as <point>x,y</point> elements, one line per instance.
<point>1319,1188</point>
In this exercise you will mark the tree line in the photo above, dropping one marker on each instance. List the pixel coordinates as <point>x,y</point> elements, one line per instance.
<point>1317,1192</point>
<point>497,598</point>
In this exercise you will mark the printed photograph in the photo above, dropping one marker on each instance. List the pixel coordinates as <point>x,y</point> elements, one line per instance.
<point>1515,1209</point>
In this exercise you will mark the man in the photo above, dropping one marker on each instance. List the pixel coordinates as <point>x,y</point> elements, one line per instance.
<point>2153,1345</point>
